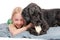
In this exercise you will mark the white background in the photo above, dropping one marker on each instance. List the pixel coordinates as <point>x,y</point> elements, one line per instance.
<point>6,6</point>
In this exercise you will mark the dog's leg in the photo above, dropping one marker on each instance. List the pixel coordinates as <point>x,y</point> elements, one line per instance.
<point>45,27</point>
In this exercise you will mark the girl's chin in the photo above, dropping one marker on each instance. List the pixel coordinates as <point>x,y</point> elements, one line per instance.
<point>18,27</point>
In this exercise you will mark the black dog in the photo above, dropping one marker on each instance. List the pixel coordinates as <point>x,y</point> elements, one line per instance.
<point>43,18</point>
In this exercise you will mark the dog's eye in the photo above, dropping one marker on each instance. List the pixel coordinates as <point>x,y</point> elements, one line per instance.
<point>37,21</point>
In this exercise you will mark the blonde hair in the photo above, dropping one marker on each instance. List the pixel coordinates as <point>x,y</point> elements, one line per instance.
<point>16,10</point>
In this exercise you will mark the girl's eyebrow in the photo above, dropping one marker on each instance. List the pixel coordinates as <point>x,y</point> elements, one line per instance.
<point>16,19</point>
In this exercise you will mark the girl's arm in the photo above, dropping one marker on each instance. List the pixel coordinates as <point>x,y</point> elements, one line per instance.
<point>15,31</point>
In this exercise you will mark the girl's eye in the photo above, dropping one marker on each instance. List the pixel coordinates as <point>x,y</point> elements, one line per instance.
<point>21,19</point>
<point>16,19</point>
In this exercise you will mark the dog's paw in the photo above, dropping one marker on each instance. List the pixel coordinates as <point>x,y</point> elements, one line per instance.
<point>41,33</point>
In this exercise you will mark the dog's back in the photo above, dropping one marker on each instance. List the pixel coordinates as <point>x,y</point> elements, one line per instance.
<point>52,16</point>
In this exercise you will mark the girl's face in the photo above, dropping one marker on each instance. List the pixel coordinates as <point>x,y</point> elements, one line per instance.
<point>18,20</point>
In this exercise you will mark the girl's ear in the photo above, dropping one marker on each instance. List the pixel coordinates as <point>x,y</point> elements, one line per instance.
<point>9,21</point>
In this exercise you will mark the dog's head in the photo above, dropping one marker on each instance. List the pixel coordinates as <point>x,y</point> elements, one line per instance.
<point>32,13</point>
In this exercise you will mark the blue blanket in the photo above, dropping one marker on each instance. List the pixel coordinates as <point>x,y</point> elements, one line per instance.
<point>52,33</point>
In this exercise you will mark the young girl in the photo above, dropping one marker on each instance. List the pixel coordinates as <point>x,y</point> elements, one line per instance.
<point>18,22</point>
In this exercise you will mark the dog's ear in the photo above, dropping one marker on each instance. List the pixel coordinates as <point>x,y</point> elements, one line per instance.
<point>26,16</point>
<point>40,15</point>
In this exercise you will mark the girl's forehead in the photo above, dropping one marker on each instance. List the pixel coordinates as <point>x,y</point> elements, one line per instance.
<point>18,15</point>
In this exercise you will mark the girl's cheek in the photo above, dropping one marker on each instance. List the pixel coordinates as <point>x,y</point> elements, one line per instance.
<point>24,22</point>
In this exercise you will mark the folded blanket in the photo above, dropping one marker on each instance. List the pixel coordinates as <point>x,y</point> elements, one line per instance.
<point>52,33</point>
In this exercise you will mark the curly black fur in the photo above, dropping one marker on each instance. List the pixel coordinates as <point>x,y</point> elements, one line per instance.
<point>44,17</point>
